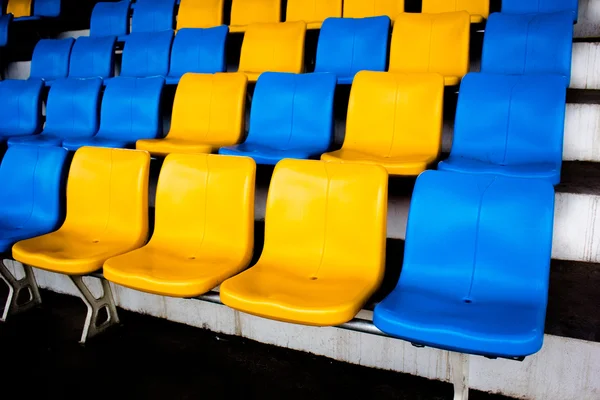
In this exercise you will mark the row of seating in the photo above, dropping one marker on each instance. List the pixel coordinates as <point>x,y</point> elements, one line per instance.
<point>31,9</point>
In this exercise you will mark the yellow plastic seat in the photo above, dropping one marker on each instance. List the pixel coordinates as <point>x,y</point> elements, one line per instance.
<point>432,43</point>
<point>373,8</point>
<point>107,213</point>
<point>273,47</point>
<point>204,230</point>
<point>208,113</point>
<point>246,12</point>
<point>313,12</point>
<point>394,120</point>
<point>324,252</point>
<point>478,9</point>
<point>200,13</point>
<point>19,8</point>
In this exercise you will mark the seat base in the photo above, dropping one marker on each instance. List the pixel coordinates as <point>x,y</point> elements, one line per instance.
<point>166,146</point>
<point>404,166</point>
<point>266,155</point>
<point>36,140</point>
<point>74,144</point>
<point>451,80</point>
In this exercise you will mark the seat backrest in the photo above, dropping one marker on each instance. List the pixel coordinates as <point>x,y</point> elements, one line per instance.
<point>510,119</point>
<point>47,8</point>
<point>50,58</point>
<point>503,225</point>
<point>5,22</point>
<point>19,8</point>
<point>206,203</point>
<point>21,110</point>
<point>537,6</point>
<point>92,57</point>
<point>210,108</point>
<point>313,12</point>
<point>153,15</point>
<point>147,54</point>
<point>33,178</point>
<point>293,111</point>
<point>200,13</point>
<point>431,43</point>
<point>528,44</point>
<point>131,109</point>
<point>349,45</point>
<point>473,7</point>
<point>199,50</point>
<point>373,8</point>
<point>310,220</point>
<point>245,12</point>
<point>395,115</point>
<point>107,192</point>
<point>110,19</point>
<point>73,108</point>
<point>273,47</point>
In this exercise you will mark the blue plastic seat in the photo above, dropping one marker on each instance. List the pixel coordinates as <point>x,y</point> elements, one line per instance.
<point>147,54</point>
<point>110,19</point>
<point>21,109</point>
<point>46,8</point>
<point>509,125</point>
<point>291,117</point>
<point>5,21</point>
<point>72,111</point>
<point>537,6</point>
<point>476,265</point>
<point>130,111</point>
<point>50,59</point>
<point>198,50</point>
<point>528,44</point>
<point>349,45</point>
<point>34,205</point>
<point>92,57</point>
<point>153,16</point>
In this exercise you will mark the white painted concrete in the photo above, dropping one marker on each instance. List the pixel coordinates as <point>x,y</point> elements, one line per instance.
<point>588,24</point>
<point>585,70</point>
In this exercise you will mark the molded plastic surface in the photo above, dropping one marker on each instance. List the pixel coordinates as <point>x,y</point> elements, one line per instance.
<point>476,265</point>
<point>324,256</point>
<point>50,59</point>
<point>529,44</point>
<point>46,8</point>
<point>394,120</point>
<point>147,54</point>
<point>509,125</point>
<point>273,47</point>
<point>153,16</point>
<point>208,113</point>
<point>107,213</point>
<point>21,110</point>
<point>34,205</point>
<point>110,19</point>
<point>313,12</point>
<point>373,8</point>
<point>204,229</point>
<point>198,50</point>
<point>349,45</point>
<point>130,112</point>
<point>92,57</point>
<point>478,9</point>
<point>200,13</point>
<point>540,6</point>
<point>19,8</point>
<point>246,12</point>
<point>5,22</point>
<point>432,43</point>
<point>291,117</point>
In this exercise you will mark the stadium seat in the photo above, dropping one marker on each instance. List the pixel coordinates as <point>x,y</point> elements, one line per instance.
<point>537,6</point>
<point>373,8</point>
<point>107,213</point>
<point>204,228</point>
<point>20,8</point>
<point>72,111</point>
<point>147,54</point>
<point>291,117</point>
<point>432,43</point>
<point>247,12</point>
<point>153,16</point>
<point>46,8</point>
<point>5,21</point>
<point>476,265</point>
<point>110,19</point>
<point>509,125</point>
<point>92,57</point>
<point>273,47</point>
<point>313,12</point>
<point>324,255</point>
<point>349,45</point>
<point>31,203</point>
<point>130,111</point>
<point>21,110</point>
<point>50,59</point>
<point>478,9</point>
<point>198,50</point>
<point>208,113</point>
<point>394,120</point>
<point>200,13</point>
<point>528,44</point>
